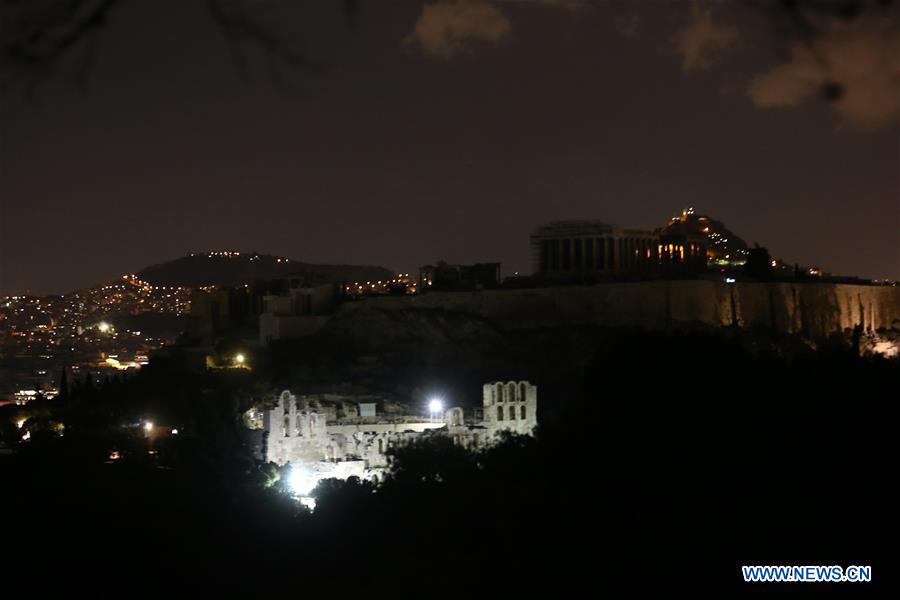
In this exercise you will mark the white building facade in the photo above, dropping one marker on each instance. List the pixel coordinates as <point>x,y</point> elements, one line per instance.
<point>328,440</point>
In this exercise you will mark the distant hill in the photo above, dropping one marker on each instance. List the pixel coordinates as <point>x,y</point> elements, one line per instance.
<point>723,244</point>
<point>237,268</point>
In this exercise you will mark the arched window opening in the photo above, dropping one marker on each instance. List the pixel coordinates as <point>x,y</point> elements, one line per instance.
<point>499,413</point>
<point>522,412</point>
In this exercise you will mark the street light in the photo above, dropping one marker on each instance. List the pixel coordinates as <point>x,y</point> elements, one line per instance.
<point>148,426</point>
<point>239,359</point>
<point>301,481</point>
<point>435,406</point>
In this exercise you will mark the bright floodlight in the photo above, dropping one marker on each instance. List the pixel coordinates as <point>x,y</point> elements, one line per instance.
<point>301,481</point>
<point>435,405</point>
<point>239,359</point>
<point>148,426</point>
<point>103,326</point>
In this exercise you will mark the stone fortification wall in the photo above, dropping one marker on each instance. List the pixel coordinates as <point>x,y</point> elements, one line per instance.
<point>811,309</point>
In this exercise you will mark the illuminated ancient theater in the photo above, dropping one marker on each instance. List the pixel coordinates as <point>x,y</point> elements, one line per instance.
<point>325,436</point>
<point>593,249</point>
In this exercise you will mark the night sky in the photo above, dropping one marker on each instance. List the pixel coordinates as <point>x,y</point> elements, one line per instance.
<point>449,130</point>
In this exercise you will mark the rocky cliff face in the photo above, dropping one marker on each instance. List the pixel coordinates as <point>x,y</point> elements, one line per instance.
<point>814,310</point>
<point>451,343</point>
<point>817,310</point>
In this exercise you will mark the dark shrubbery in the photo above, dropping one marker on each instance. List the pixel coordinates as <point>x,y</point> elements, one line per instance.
<point>680,458</point>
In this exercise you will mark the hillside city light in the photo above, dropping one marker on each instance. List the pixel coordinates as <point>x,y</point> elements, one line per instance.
<point>148,426</point>
<point>239,359</point>
<point>103,326</point>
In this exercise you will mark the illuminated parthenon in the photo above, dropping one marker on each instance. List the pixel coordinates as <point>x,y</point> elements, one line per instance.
<point>593,247</point>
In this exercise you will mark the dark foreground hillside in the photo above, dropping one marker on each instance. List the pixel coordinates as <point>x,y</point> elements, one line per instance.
<point>676,459</point>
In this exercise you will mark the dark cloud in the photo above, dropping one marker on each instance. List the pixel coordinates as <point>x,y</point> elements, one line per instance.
<point>701,40</point>
<point>447,29</point>
<point>854,63</point>
<point>629,24</point>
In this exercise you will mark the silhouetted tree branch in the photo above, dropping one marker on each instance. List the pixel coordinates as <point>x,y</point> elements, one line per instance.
<point>243,25</point>
<point>40,37</point>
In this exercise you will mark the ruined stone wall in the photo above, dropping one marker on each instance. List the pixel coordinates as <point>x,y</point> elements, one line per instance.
<point>295,434</point>
<point>811,309</point>
<point>510,406</point>
<point>295,430</point>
